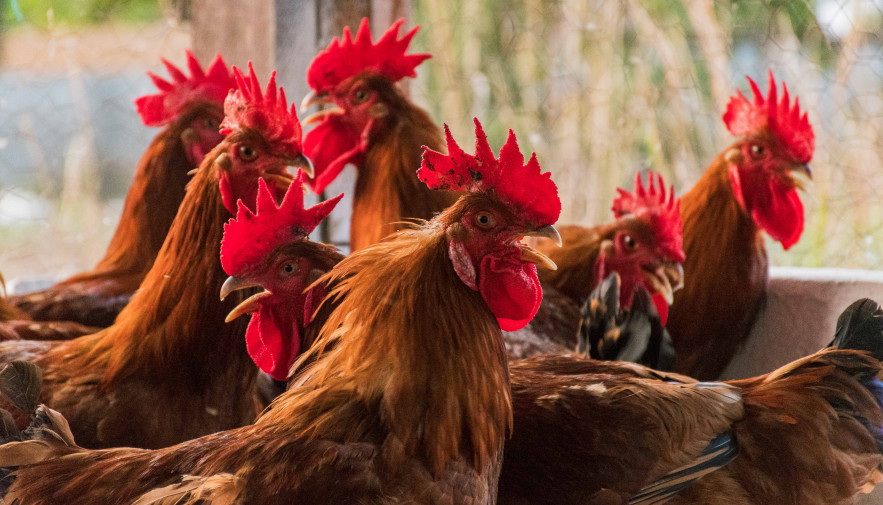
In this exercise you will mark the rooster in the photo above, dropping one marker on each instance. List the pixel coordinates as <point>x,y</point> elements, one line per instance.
<point>191,109</point>
<point>373,126</point>
<point>385,415</point>
<point>643,246</point>
<point>169,369</point>
<point>748,189</point>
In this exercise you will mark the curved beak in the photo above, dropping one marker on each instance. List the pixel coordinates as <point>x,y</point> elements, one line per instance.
<point>531,255</point>
<point>802,168</point>
<point>303,163</point>
<point>249,306</point>
<point>665,280</point>
<point>313,98</point>
<point>234,283</point>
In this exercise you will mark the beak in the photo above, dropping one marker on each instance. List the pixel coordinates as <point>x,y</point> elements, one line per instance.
<point>549,232</point>
<point>304,164</point>
<point>235,284</point>
<point>320,115</point>
<point>531,255</point>
<point>314,98</point>
<point>666,280</point>
<point>802,168</point>
<point>249,306</point>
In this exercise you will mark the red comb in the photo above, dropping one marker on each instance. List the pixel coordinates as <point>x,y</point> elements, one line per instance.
<point>524,186</point>
<point>344,59</point>
<point>266,113</point>
<point>778,116</point>
<point>210,86</point>
<point>663,210</point>
<point>250,236</point>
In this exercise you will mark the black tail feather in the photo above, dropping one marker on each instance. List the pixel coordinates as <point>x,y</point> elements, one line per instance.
<point>860,328</point>
<point>636,335</point>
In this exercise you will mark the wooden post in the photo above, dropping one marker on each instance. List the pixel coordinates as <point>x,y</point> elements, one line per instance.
<point>285,35</point>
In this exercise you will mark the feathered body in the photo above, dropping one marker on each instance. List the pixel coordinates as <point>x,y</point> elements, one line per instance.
<point>604,432</point>
<point>727,274</point>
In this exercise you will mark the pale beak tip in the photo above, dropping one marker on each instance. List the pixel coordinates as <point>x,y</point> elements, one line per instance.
<point>307,101</point>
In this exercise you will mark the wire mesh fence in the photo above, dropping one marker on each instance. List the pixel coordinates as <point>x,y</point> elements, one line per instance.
<point>598,88</point>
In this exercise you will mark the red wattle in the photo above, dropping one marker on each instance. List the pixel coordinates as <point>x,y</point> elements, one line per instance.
<point>330,146</point>
<point>774,206</point>
<point>268,349</point>
<point>781,214</point>
<point>511,289</point>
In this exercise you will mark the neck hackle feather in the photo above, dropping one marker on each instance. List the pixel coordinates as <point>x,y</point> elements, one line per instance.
<point>210,85</point>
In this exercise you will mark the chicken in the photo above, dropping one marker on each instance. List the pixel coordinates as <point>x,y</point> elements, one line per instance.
<point>191,109</point>
<point>385,416</point>
<point>749,188</point>
<point>169,369</point>
<point>643,245</point>
<point>606,432</point>
<point>375,127</point>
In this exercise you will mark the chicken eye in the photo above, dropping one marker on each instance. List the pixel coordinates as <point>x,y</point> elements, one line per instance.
<point>247,153</point>
<point>212,124</point>
<point>288,268</point>
<point>361,95</point>
<point>485,220</point>
<point>629,242</point>
<point>756,150</point>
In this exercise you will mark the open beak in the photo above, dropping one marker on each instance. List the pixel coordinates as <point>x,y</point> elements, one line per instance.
<point>665,280</point>
<point>234,283</point>
<point>531,255</point>
<point>249,306</point>
<point>313,98</point>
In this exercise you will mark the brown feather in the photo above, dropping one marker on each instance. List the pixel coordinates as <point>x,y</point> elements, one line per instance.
<point>725,276</point>
<point>387,189</point>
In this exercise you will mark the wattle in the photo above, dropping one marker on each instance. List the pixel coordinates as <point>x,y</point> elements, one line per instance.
<point>774,206</point>
<point>511,289</point>
<point>271,351</point>
<point>330,146</point>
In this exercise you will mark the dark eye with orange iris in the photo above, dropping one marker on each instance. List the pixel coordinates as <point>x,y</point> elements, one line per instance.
<point>361,95</point>
<point>247,153</point>
<point>485,220</point>
<point>288,268</point>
